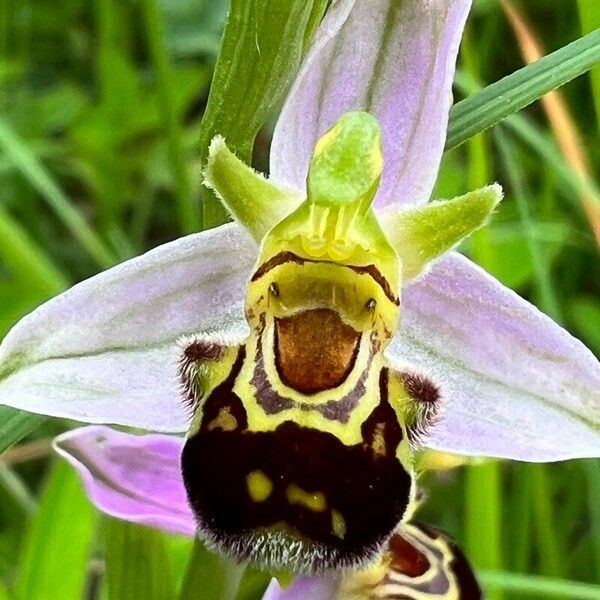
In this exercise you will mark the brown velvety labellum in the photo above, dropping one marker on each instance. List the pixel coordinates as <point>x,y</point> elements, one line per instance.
<point>315,350</point>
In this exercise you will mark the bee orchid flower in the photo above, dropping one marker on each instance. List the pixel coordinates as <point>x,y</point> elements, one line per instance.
<point>137,478</point>
<point>308,377</point>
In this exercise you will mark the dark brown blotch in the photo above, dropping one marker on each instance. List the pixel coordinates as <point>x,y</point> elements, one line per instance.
<point>421,388</point>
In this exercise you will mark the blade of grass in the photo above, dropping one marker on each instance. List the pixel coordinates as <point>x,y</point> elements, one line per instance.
<point>515,91</point>
<point>17,489</point>
<point>549,553</point>
<point>108,20</point>
<point>520,548</point>
<point>39,178</point>
<point>15,425</point>
<point>555,106</point>
<point>532,585</point>
<point>542,144</point>
<point>137,563</point>
<point>543,280</point>
<point>27,260</point>
<point>263,43</point>
<point>589,17</point>
<point>188,205</point>
<point>57,548</point>
<point>592,471</point>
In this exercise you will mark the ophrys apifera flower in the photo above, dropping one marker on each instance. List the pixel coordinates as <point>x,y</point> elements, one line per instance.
<point>325,343</point>
<point>138,479</point>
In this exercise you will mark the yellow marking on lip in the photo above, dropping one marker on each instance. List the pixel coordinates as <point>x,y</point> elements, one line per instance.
<point>378,443</point>
<point>338,524</point>
<point>224,420</point>
<point>259,486</point>
<point>311,500</point>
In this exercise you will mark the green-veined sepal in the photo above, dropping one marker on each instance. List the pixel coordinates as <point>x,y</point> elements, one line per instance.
<point>255,202</point>
<point>421,235</point>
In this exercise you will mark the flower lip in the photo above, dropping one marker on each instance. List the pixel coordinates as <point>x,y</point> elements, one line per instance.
<point>320,487</point>
<point>315,350</point>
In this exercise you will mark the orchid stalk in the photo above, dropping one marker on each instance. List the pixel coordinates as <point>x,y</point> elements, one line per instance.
<point>332,314</point>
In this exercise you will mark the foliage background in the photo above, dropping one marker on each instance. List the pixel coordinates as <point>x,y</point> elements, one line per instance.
<point>90,174</point>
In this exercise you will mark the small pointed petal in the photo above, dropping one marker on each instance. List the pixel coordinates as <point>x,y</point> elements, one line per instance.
<point>393,59</point>
<point>421,235</point>
<point>135,478</point>
<point>105,351</point>
<point>303,588</point>
<point>255,202</point>
<point>514,384</point>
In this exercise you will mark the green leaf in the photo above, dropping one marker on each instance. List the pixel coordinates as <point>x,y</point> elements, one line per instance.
<point>262,49</point>
<point>209,576</point>
<point>254,201</point>
<point>16,424</point>
<point>57,548</point>
<point>515,91</point>
<point>589,16</point>
<point>38,177</point>
<point>532,585</point>
<point>137,563</point>
<point>422,234</point>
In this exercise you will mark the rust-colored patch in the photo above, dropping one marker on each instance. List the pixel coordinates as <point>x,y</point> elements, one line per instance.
<point>406,559</point>
<point>315,350</point>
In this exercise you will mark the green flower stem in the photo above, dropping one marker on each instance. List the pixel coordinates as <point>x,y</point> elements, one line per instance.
<point>188,205</point>
<point>520,544</point>
<point>515,91</point>
<point>592,471</point>
<point>483,494</point>
<point>216,577</point>
<point>532,585</point>
<point>38,177</point>
<point>138,563</point>
<point>550,556</point>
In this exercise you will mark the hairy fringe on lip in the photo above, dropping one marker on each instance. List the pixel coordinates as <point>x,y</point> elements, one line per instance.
<point>279,550</point>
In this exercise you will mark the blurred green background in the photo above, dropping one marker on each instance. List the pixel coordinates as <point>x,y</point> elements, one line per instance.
<point>88,178</point>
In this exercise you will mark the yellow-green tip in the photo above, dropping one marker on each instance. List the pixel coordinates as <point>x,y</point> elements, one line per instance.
<point>346,166</point>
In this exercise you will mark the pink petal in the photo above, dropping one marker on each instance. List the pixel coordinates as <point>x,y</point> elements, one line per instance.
<point>515,384</point>
<point>394,59</point>
<point>105,350</point>
<point>136,478</point>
